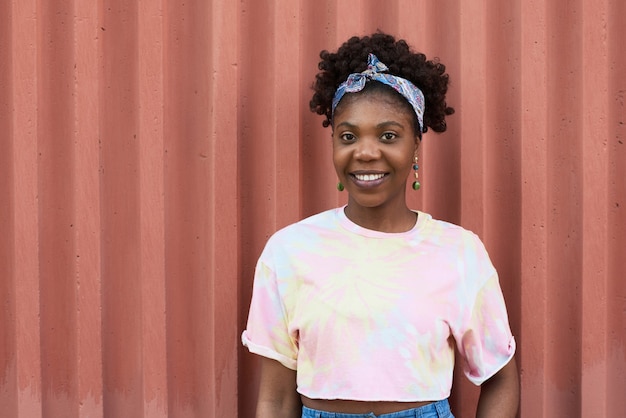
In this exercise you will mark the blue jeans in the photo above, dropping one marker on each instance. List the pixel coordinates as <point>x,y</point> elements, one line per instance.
<point>439,409</point>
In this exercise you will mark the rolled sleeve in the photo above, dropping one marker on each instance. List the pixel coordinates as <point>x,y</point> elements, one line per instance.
<point>267,332</point>
<point>485,341</point>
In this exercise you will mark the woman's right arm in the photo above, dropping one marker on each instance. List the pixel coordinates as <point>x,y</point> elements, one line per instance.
<point>277,393</point>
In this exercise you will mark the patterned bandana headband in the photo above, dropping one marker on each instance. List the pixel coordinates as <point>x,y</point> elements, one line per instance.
<point>356,82</point>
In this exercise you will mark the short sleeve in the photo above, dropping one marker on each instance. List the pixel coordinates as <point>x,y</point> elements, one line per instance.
<point>267,331</point>
<point>484,339</point>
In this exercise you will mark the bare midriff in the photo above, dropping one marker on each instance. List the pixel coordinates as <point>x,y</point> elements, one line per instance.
<point>359,407</point>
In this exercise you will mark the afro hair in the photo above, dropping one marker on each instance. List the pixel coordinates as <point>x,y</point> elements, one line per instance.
<point>428,75</point>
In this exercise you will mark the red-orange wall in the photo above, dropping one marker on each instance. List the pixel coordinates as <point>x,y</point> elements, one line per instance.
<point>150,148</point>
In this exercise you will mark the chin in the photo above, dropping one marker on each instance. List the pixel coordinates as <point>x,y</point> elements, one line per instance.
<point>371,203</point>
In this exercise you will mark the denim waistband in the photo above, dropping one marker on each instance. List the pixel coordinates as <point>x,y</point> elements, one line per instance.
<point>439,409</point>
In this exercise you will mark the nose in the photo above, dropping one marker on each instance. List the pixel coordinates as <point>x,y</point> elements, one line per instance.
<point>367,149</point>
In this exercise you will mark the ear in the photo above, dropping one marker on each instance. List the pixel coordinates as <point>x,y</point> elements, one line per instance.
<point>418,142</point>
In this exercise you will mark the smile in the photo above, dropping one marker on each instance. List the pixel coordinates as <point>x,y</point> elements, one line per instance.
<point>368,180</point>
<point>369,177</point>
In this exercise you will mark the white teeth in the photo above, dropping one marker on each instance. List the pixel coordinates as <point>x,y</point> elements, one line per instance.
<point>368,177</point>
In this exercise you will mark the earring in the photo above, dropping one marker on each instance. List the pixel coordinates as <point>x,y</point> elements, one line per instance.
<point>340,187</point>
<point>416,183</point>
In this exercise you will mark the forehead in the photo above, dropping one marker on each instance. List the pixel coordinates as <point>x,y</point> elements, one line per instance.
<point>368,105</point>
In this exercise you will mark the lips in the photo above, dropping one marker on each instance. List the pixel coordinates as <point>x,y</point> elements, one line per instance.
<point>369,177</point>
<point>365,180</point>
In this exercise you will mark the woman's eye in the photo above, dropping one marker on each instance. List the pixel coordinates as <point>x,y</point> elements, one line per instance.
<point>347,137</point>
<point>388,136</point>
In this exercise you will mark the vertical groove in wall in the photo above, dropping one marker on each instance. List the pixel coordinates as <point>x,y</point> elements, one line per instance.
<point>564,252</point>
<point>256,157</point>
<point>501,212</point>
<point>150,69</point>
<point>615,337</point>
<point>502,200</point>
<point>467,147</point>
<point>57,245</point>
<point>120,211</point>
<point>188,209</point>
<point>534,295</point>
<point>594,217</point>
<point>224,222</point>
<point>87,203</point>
<point>149,151</point>
<point>471,83</point>
<point>318,176</point>
<point>23,57</point>
<point>8,355</point>
<point>287,111</point>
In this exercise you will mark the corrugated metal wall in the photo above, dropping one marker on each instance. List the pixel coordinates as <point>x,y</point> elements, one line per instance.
<point>150,148</point>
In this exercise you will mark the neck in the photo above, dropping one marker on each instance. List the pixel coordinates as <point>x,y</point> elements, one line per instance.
<point>384,219</point>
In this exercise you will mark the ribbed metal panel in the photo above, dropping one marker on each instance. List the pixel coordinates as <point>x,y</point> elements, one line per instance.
<point>150,148</point>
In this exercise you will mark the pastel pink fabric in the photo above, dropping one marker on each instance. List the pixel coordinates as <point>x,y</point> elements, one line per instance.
<point>374,316</point>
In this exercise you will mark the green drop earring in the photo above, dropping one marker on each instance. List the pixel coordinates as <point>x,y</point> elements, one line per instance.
<point>416,183</point>
<point>340,187</point>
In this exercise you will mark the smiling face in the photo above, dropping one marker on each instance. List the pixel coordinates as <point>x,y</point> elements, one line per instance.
<point>374,142</point>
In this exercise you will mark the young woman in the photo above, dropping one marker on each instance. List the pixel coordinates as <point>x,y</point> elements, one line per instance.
<point>357,311</point>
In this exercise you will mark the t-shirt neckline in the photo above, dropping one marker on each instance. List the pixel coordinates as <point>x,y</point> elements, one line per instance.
<point>346,223</point>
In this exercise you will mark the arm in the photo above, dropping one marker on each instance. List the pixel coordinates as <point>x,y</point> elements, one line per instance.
<point>277,394</point>
<point>499,396</point>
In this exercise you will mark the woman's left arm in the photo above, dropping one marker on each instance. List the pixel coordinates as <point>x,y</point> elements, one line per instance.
<point>499,396</point>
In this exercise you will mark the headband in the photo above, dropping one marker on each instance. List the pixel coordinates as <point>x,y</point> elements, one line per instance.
<point>356,82</point>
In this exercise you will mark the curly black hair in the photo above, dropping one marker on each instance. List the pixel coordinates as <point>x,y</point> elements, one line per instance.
<point>428,75</point>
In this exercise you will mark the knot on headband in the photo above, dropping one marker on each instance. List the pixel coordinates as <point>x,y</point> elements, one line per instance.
<point>375,71</point>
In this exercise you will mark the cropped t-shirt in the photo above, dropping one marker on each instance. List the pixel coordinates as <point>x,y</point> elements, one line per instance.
<point>372,316</point>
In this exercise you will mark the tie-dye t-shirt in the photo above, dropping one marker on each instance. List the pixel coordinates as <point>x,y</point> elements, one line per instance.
<point>372,316</point>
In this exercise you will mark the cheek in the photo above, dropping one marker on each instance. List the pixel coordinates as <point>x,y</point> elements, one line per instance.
<point>405,164</point>
<point>341,159</point>
<point>338,160</point>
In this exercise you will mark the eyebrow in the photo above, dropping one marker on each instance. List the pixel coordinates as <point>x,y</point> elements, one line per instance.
<point>378,126</point>
<point>390,122</point>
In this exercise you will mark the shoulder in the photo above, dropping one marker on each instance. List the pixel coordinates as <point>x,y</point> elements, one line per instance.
<point>448,234</point>
<point>326,220</point>
<point>304,233</point>
<point>459,244</point>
